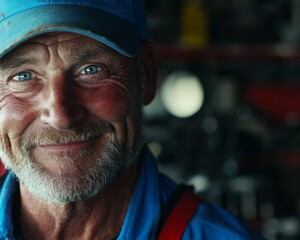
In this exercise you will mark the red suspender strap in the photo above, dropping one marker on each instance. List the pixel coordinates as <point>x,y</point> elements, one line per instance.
<point>180,217</point>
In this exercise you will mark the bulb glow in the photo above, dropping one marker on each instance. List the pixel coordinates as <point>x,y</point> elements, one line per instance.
<point>182,94</point>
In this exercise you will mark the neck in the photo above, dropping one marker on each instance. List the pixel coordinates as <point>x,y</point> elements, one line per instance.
<point>100,217</point>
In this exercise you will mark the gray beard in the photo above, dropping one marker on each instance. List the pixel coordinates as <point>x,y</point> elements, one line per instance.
<point>113,160</point>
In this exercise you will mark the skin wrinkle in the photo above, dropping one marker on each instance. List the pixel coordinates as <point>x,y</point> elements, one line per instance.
<point>2,100</point>
<point>10,138</point>
<point>116,102</point>
<point>124,86</point>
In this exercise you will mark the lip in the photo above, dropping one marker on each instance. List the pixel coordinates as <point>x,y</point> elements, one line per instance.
<point>67,147</point>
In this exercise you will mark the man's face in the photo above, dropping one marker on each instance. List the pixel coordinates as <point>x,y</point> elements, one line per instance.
<point>70,115</point>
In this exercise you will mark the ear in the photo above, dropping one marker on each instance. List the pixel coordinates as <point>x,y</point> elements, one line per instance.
<point>148,59</point>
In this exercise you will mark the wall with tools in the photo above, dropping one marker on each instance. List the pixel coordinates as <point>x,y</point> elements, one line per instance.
<point>226,117</point>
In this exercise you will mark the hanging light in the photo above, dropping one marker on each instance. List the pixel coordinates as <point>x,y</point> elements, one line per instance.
<point>182,94</point>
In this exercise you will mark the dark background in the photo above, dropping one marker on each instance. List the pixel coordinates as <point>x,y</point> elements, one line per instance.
<point>244,155</point>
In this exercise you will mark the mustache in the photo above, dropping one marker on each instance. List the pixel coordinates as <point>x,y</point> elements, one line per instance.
<point>32,138</point>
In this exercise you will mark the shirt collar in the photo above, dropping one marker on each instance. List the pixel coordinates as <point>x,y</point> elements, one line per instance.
<point>142,216</point>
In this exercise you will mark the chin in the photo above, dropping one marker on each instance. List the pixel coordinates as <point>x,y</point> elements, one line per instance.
<point>78,185</point>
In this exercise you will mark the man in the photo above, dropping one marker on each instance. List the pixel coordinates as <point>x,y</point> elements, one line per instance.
<point>74,77</point>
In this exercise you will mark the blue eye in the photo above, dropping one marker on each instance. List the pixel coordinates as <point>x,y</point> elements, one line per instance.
<point>23,76</point>
<point>91,69</point>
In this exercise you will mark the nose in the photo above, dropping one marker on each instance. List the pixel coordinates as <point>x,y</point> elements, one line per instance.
<point>59,106</point>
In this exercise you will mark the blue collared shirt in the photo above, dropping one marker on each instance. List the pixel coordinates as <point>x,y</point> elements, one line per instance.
<point>152,190</point>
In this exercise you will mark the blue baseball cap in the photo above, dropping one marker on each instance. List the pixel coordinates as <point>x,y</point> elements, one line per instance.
<point>119,24</point>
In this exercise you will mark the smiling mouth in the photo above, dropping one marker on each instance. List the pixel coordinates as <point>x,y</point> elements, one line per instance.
<point>67,147</point>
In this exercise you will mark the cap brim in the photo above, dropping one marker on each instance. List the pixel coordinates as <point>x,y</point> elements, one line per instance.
<point>113,31</point>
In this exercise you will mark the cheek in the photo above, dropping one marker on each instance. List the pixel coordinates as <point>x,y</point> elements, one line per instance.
<point>15,116</point>
<point>111,103</point>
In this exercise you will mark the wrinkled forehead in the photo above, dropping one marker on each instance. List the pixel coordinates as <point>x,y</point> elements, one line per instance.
<point>72,42</point>
<point>69,40</point>
<point>70,45</point>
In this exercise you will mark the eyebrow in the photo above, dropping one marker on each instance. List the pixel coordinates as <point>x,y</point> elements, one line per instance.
<point>10,63</point>
<point>97,51</point>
